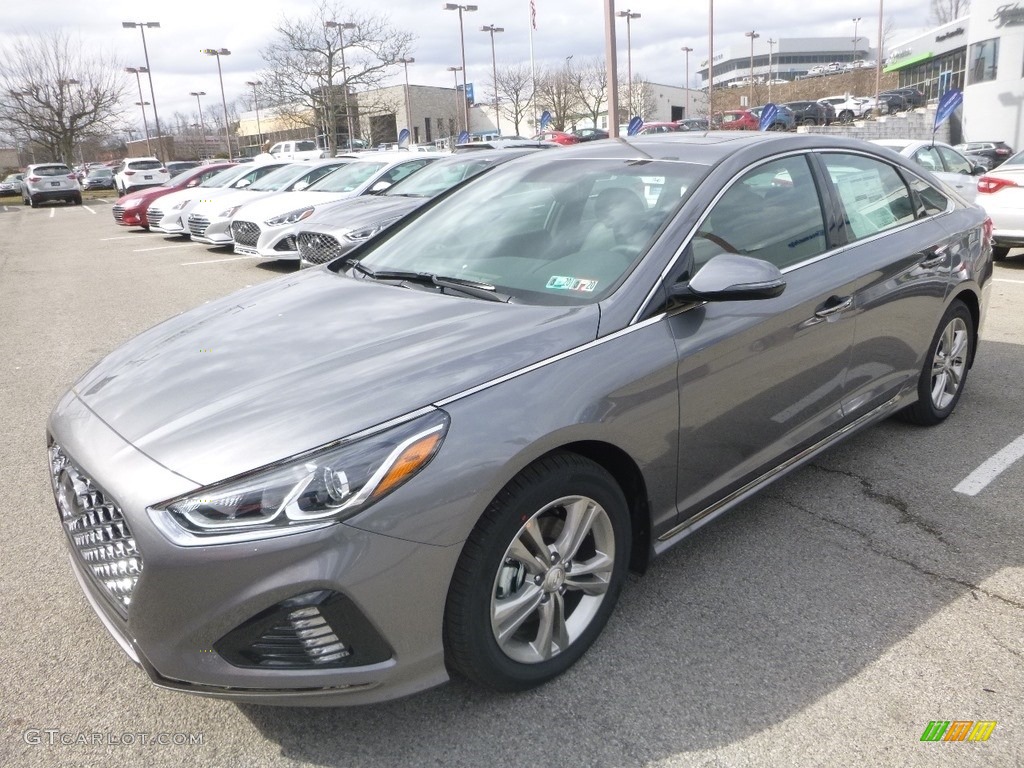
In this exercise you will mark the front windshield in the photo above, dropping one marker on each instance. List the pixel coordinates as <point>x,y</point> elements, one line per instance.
<point>226,176</point>
<point>279,179</point>
<point>559,232</point>
<point>1017,159</point>
<point>349,178</point>
<point>442,176</point>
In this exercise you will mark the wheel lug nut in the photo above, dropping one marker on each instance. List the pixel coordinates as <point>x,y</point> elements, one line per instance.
<point>554,558</point>
<point>544,598</point>
<point>562,590</point>
<point>538,580</point>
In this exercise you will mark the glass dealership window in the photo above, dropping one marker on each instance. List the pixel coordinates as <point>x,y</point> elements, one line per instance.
<point>983,59</point>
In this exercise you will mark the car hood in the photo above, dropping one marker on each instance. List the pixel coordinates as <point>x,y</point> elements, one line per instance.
<point>196,195</point>
<point>283,202</point>
<point>360,212</point>
<point>212,207</point>
<point>301,361</point>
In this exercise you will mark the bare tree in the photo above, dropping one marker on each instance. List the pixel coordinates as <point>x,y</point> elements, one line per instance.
<point>589,81</point>
<point>555,93</point>
<point>945,11</point>
<point>55,92</point>
<point>515,93</point>
<point>304,72</point>
<point>637,100</point>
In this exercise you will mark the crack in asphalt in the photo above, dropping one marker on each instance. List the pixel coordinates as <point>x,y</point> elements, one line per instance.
<point>894,502</point>
<point>870,545</point>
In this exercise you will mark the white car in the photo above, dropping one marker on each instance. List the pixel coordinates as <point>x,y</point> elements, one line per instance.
<point>267,227</point>
<point>296,150</point>
<point>138,173</point>
<point>849,108</point>
<point>210,221</point>
<point>1001,194</point>
<point>50,181</point>
<point>942,160</point>
<point>169,214</point>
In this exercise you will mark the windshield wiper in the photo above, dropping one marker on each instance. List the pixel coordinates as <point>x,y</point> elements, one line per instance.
<point>474,288</point>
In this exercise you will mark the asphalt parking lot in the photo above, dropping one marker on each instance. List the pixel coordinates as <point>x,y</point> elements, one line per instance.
<point>824,623</point>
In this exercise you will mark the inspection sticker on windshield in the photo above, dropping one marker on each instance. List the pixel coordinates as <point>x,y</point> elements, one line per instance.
<point>559,283</point>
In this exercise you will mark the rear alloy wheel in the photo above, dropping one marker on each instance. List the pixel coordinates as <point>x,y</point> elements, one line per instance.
<point>945,368</point>
<point>1000,252</point>
<point>539,575</point>
<point>810,121</point>
<point>846,116</point>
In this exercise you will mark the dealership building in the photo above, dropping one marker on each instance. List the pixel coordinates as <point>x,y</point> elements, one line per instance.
<point>785,58</point>
<point>982,55</point>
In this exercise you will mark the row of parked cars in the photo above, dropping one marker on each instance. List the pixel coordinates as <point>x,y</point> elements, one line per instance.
<point>442,453</point>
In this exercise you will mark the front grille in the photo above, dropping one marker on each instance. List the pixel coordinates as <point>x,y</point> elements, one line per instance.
<point>118,213</point>
<point>197,224</point>
<point>245,233</point>
<point>318,248</point>
<point>98,532</point>
<point>154,216</point>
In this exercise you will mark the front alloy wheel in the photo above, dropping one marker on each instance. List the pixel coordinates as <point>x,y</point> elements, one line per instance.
<point>539,575</point>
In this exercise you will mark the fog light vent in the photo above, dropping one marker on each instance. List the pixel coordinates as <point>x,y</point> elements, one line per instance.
<point>315,630</point>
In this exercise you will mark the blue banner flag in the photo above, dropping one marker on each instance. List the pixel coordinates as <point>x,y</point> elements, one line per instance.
<point>403,137</point>
<point>463,138</point>
<point>634,126</point>
<point>768,115</point>
<point>545,118</point>
<point>948,104</point>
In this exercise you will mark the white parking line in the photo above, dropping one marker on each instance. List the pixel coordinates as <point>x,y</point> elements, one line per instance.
<point>990,469</point>
<point>1006,280</point>
<point>162,248</point>
<point>90,210</point>
<point>52,212</point>
<point>217,261</point>
<point>123,237</point>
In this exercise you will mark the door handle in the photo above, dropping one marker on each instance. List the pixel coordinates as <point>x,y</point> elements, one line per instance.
<point>934,257</point>
<point>834,306</point>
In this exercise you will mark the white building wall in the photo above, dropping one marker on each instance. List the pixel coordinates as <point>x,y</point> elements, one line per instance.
<point>994,110</point>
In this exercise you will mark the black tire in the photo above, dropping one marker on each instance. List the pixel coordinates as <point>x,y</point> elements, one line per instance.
<point>543,579</point>
<point>32,202</point>
<point>944,373</point>
<point>77,200</point>
<point>810,121</point>
<point>846,116</point>
<point>1000,252</point>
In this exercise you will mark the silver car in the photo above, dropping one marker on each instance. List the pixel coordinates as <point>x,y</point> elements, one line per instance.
<point>50,181</point>
<point>442,453</point>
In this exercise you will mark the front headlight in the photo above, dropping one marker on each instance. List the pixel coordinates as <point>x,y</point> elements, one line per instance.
<point>358,235</point>
<point>290,218</point>
<point>227,213</point>
<point>181,205</point>
<point>323,486</point>
<point>133,203</point>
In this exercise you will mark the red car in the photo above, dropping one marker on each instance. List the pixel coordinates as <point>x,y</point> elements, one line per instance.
<point>559,137</point>
<point>130,210</point>
<point>649,128</point>
<point>737,120</point>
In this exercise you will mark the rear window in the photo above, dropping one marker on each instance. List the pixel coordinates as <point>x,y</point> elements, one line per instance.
<point>145,165</point>
<point>305,146</point>
<point>51,170</point>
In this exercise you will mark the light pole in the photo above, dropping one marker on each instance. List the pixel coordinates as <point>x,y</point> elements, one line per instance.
<point>753,36</point>
<point>687,50</point>
<point>771,50</point>
<point>341,26</point>
<point>611,64</point>
<point>256,101</point>
<point>141,103</point>
<point>856,21</point>
<point>494,72</point>
<point>218,52</point>
<point>405,61</point>
<point>711,64</point>
<point>462,43</point>
<point>629,16</point>
<point>456,70</point>
<point>878,64</point>
<point>152,94</point>
<point>202,125</point>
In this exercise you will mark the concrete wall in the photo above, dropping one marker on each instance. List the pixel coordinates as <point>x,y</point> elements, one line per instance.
<point>905,125</point>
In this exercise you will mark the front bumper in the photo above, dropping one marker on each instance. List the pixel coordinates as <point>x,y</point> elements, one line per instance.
<point>171,223</point>
<point>270,243</point>
<point>189,598</point>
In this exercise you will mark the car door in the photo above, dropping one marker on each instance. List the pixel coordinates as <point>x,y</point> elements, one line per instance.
<point>959,173</point>
<point>904,255</point>
<point>760,380</point>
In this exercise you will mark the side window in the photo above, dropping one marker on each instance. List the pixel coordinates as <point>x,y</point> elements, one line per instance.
<point>928,157</point>
<point>932,201</point>
<point>873,194</point>
<point>772,213</point>
<point>399,172</point>
<point>954,162</point>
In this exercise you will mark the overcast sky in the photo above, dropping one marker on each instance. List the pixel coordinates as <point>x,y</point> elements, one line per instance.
<point>564,28</point>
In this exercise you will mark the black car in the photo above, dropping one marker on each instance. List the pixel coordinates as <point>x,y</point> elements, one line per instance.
<point>989,154</point>
<point>812,112</point>
<point>99,178</point>
<point>902,99</point>
<point>590,134</point>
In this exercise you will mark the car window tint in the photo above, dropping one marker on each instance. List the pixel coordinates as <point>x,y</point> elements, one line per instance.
<point>145,165</point>
<point>772,213</point>
<point>954,161</point>
<point>52,170</point>
<point>932,201</point>
<point>928,157</point>
<point>873,194</point>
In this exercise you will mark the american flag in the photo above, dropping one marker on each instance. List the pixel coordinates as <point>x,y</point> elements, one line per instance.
<point>533,14</point>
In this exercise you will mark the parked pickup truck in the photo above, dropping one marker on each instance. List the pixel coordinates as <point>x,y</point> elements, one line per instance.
<point>305,149</point>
